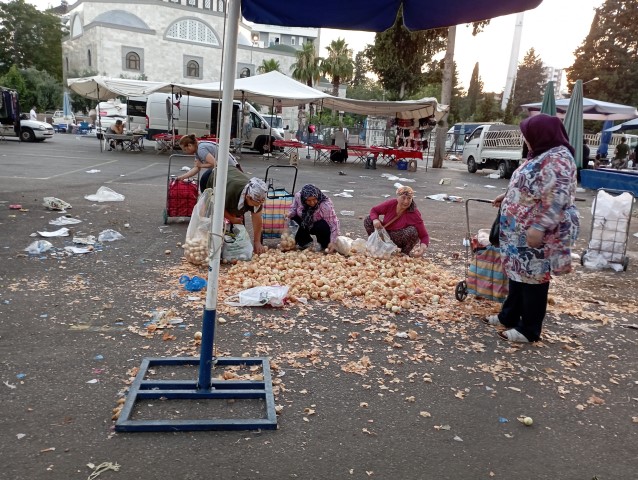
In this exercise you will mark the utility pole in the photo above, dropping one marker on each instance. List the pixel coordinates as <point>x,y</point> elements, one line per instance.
<point>446,98</point>
<point>511,70</point>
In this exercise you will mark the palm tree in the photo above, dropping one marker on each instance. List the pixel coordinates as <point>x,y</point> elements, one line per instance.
<point>338,65</point>
<point>307,68</point>
<point>266,66</point>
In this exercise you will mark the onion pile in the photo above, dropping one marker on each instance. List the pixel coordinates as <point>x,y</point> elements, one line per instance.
<point>196,251</point>
<point>287,242</point>
<point>395,283</point>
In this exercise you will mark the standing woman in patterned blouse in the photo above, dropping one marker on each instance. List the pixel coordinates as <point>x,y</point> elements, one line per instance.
<point>539,223</point>
<point>315,215</point>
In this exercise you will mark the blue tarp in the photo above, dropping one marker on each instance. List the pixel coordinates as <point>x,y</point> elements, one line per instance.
<point>379,15</point>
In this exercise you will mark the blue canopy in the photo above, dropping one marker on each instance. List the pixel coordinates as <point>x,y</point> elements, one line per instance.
<point>630,125</point>
<point>379,15</point>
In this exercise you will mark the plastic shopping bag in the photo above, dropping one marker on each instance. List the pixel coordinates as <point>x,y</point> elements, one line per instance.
<point>343,245</point>
<point>236,244</point>
<point>105,194</point>
<point>288,237</point>
<point>274,296</point>
<point>197,235</point>
<point>380,245</point>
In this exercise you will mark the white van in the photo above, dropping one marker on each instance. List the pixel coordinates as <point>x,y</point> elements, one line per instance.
<point>107,114</point>
<point>199,116</point>
<point>276,122</point>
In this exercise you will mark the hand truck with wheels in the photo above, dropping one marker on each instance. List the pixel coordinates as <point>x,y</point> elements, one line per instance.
<point>181,196</point>
<point>484,275</point>
<point>281,181</point>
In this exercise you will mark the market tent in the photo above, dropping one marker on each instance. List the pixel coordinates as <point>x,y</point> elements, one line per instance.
<point>592,109</point>
<point>100,87</point>
<point>379,15</point>
<point>574,122</point>
<point>261,89</point>
<point>630,125</point>
<point>276,87</point>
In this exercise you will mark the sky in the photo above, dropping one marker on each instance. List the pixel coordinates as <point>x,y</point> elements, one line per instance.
<point>555,29</point>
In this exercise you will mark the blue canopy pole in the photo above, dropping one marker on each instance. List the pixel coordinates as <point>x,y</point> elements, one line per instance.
<point>605,138</point>
<point>217,225</point>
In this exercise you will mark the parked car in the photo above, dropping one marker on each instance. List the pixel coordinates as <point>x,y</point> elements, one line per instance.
<point>12,124</point>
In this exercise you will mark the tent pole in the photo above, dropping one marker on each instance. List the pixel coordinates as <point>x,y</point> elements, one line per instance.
<point>207,389</point>
<point>99,117</point>
<point>188,101</point>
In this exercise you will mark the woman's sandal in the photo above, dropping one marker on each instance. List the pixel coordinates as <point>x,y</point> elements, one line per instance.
<point>492,320</point>
<point>513,335</point>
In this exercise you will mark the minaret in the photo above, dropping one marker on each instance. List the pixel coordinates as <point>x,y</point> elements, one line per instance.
<point>511,71</point>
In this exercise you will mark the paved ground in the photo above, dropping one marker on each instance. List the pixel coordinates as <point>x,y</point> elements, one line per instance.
<point>73,331</point>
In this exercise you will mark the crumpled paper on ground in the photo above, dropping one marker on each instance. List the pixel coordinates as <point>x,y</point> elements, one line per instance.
<point>53,203</point>
<point>105,194</point>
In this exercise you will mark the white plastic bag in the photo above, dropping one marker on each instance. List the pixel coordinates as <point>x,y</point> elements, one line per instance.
<point>288,242</point>
<point>380,245</point>
<point>358,246</point>
<point>343,245</point>
<point>197,235</point>
<point>105,194</point>
<point>236,244</point>
<point>274,296</point>
<point>39,246</point>
<point>109,235</point>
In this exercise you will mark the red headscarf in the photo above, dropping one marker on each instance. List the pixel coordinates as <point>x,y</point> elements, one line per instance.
<point>544,132</point>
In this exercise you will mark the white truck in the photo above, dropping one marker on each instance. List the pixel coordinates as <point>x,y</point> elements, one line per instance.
<point>499,147</point>
<point>12,124</point>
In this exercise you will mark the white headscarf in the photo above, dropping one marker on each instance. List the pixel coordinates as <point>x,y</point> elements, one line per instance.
<point>257,189</point>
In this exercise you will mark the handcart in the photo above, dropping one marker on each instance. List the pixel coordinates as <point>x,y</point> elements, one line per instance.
<point>484,275</point>
<point>610,222</point>
<point>181,196</point>
<point>281,192</point>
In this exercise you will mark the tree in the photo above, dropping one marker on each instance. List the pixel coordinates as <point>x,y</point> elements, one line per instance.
<point>266,66</point>
<point>361,67</point>
<point>30,38</point>
<point>398,55</point>
<point>474,92</point>
<point>307,68</point>
<point>609,52</point>
<point>489,109</point>
<point>446,89</point>
<point>338,65</point>
<point>14,80</point>
<point>43,90</point>
<point>530,80</point>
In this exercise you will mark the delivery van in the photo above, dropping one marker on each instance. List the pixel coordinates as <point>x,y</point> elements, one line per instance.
<point>495,146</point>
<point>276,122</point>
<point>200,116</point>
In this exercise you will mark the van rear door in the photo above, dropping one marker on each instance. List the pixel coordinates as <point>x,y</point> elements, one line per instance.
<point>137,118</point>
<point>215,113</point>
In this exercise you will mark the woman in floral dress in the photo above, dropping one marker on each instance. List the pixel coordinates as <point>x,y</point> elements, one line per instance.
<point>538,225</point>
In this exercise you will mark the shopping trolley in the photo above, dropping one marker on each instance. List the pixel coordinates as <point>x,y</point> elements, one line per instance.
<point>281,181</point>
<point>181,196</point>
<point>484,275</point>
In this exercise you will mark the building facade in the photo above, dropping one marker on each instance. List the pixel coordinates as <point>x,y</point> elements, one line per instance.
<point>164,40</point>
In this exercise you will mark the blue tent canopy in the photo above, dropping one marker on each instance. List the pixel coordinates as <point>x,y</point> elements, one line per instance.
<point>379,15</point>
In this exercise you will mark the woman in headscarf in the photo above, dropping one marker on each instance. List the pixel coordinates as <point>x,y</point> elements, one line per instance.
<point>243,195</point>
<point>538,224</point>
<point>315,215</point>
<point>401,219</point>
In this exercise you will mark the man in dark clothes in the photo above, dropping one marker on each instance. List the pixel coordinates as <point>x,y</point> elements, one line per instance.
<point>585,153</point>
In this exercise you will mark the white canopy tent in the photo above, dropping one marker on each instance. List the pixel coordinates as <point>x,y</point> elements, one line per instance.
<point>266,89</point>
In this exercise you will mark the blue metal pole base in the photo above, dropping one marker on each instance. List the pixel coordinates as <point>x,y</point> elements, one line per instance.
<point>142,389</point>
